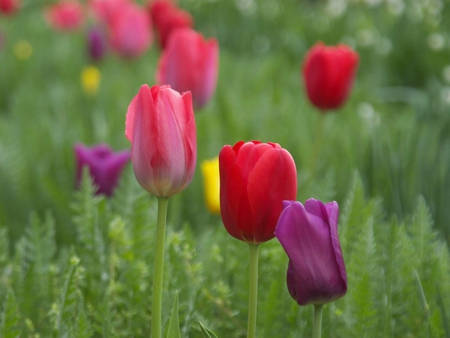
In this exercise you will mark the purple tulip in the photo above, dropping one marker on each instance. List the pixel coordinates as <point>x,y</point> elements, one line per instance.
<point>105,166</point>
<point>96,43</point>
<point>309,235</point>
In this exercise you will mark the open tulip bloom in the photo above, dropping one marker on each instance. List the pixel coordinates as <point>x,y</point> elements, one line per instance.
<point>161,127</point>
<point>309,235</point>
<point>255,178</point>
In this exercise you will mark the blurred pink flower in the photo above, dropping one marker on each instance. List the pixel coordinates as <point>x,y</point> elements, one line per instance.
<point>166,18</point>
<point>131,32</point>
<point>9,7</point>
<point>106,10</point>
<point>66,15</point>
<point>190,63</point>
<point>105,166</point>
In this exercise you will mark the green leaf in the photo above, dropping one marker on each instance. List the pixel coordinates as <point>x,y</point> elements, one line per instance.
<point>206,332</point>
<point>10,317</point>
<point>174,323</point>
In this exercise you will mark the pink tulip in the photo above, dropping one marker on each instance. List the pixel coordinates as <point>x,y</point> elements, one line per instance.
<point>328,74</point>
<point>160,125</point>
<point>166,18</point>
<point>190,63</point>
<point>131,32</point>
<point>9,7</point>
<point>106,11</point>
<point>66,15</point>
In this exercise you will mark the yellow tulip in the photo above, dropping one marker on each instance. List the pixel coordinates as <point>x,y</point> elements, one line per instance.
<point>23,50</point>
<point>90,80</point>
<point>211,184</point>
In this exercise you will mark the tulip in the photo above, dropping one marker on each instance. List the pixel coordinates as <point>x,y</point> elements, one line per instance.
<point>106,11</point>
<point>131,32</point>
<point>105,166</point>
<point>160,125</point>
<point>328,74</point>
<point>211,184</point>
<point>166,18</point>
<point>255,178</point>
<point>309,235</point>
<point>90,80</point>
<point>9,7</point>
<point>97,45</point>
<point>66,15</point>
<point>190,63</point>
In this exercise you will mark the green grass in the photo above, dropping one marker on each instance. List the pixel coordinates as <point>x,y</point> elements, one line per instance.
<point>71,263</point>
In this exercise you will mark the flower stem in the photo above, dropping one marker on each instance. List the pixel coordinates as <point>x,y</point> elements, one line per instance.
<point>317,143</point>
<point>159,267</point>
<point>253,292</point>
<point>317,325</point>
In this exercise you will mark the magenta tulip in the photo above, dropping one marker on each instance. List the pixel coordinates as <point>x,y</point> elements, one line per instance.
<point>255,178</point>
<point>65,15</point>
<point>190,63</point>
<point>161,127</point>
<point>328,74</point>
<point>105,166</point>
<point>309,235</point>
<point>97,44</point>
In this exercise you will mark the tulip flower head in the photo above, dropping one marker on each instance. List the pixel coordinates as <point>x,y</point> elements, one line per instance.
<point>166,18</point>
<point>190,63</point>
<point>131,31</point>
<point>66,15</point>
<point>309,235</point>
<point>255,178</point>
<point>328,75</point>
<point>160,125</point>
<point>9,7</point>
<point>105,166</point>
<point>211,184</point>
<point>96,43</point>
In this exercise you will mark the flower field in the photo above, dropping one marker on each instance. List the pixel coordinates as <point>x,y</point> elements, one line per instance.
<point>82,180</point>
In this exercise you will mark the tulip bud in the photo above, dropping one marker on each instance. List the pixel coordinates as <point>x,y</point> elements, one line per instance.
<point>9,7</point>
<point>160,125</point>
<point>328,74</point>
<point>105,166</point>
<point>255,178</point>
<point>96,41</point>
<point>66,15</point>
<point>190,63</point>
<point>309,235</point>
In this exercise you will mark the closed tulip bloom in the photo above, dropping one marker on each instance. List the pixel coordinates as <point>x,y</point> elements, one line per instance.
<point>161,127</point>
<point>190,63</point>
<point>211,184</point>
<point>96,40</point>
<point>105,166</point>
<point>328,74</point>
<point>166,18</point>
<point>131,32</point>
<point>309,235</point>
<point>66,15</point>
<point>9,7</point>
<point>255,178</point>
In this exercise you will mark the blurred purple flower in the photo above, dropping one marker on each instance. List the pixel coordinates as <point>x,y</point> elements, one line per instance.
<point>105,166</point>
<point>309,235</point>
<point>97,43</point>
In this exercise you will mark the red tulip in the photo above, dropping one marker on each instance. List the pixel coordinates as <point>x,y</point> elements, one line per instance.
<point>166,18</point>
<point>328,74</point>
<point>66,15</point>
<point>131,32</point>
<point>9,7</point>
<point>255,178</point>
<point>161,128</point>
<point>190,63</point>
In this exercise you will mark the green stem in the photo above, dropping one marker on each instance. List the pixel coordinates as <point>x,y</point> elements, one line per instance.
<point>317,143</point>
<point>253,292</point>
<point>159,267</point>
<point>317,325</point>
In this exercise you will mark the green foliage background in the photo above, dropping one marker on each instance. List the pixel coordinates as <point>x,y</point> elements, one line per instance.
<point>74,265</point>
